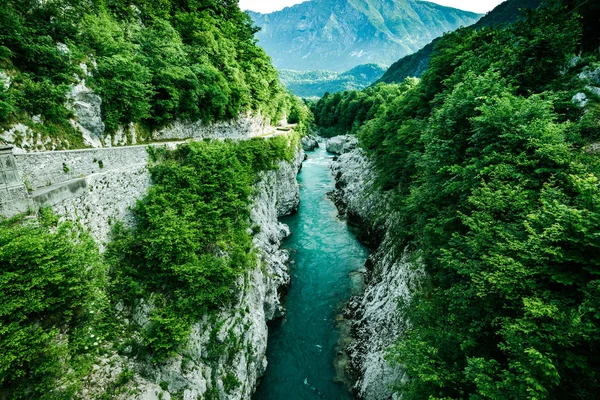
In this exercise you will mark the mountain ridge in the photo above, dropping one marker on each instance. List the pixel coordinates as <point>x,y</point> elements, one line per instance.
<point>311,84</point>
<point>338,35</point>
<point>413,65</point>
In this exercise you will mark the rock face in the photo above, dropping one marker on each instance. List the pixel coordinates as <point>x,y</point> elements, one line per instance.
<point>337,35</point>
<point>391,273</point>
<point>591,77</point>
<point>309,143</point>
<point>5,80</point>
<point>242,127</point>
<point>226,352</point>
<point>88,109</point>
<point>341,144</point>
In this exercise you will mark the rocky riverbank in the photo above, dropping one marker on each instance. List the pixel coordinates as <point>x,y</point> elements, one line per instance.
<point>390,273</point>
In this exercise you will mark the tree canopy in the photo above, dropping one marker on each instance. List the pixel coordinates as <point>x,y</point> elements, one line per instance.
<point>151,62</point>
<point>484,156</point>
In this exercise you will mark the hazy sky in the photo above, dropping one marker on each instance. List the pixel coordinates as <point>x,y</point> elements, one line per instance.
<point>265,6</point>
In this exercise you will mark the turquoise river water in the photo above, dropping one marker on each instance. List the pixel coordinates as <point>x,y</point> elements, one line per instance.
<point>302,346</point>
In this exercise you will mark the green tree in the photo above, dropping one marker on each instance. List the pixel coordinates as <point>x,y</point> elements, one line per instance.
<point>51,289</point>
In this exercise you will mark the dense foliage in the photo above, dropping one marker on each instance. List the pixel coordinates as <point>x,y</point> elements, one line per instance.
<point>52,284</point>
<point>184,259</point>
<point>345,112</point>
<point>415,64</point>
<point>485,159</point>
<point>191,241</point>
<point>316,83</point>
<point>151,62</point>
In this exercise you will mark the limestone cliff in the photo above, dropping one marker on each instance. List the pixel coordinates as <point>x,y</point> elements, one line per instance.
<point>86,105</point>
<point>225,355</point>
<point>391,272</point>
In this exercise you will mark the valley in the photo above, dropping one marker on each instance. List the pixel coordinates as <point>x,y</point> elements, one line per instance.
<point>326,256</point>
<point>341,199</point>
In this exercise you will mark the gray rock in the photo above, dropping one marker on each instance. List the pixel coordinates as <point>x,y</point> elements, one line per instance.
<point>288,200</point>
<point>393,274</point>
<point>593,90</point>
<point>341,144</point>
<point>593,148</point>
<point>243,127</point>
<point>88,109</point>
<point>85,69</point>
<point>575,61</point>
<point>309,143</point>
<point>5,80</point>
<point>591,75</point>
<point>580,99</point>
<point>63,48</point>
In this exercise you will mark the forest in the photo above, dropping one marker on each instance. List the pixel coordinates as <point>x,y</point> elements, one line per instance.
<point>311,84</point>
<point>487,164</point>
<point>151,62</point>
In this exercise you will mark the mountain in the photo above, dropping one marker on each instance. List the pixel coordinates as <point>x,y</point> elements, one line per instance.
<point>415,64</point>
<point>338,35</point>
<point>317,83</point>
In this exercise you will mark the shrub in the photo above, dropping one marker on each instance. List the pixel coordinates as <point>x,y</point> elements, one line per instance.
<point>51,286</point>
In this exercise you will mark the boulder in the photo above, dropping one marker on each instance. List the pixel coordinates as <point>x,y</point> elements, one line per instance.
<point>309,143</point>
<point>591,75</point>
<point>580,99</point>
<point>342,144</point>
<point>4,80</point>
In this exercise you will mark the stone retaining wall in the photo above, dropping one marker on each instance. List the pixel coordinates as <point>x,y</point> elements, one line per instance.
<point>39,170</point>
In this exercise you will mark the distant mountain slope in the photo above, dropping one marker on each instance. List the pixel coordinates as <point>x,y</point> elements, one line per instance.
<point>507,12</point>
<point>415,64</point>
<point>341,34</point>
<point>317,83</point>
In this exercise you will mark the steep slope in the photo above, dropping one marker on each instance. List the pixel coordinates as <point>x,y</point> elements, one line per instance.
<point>317,83</point>
<point>341,34</point>
<point>482,284</point>
<point>415,64</point>
<point>73,72</point>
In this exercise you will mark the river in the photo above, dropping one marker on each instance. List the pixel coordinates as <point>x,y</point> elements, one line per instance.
<point>325,256</point>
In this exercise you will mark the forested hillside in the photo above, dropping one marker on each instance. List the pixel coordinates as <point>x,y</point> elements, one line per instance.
<point>151,62</point>
<point>76,323</point>
<point>490,162</point>
<point>317,83</point>
<point>415,64</point>
<point>337,35</point>
<point>64,305</point>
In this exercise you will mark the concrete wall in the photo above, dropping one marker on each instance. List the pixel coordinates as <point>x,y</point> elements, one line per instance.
<point>13,194</point>
<point>94,187</point>
<point>14,201</point>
